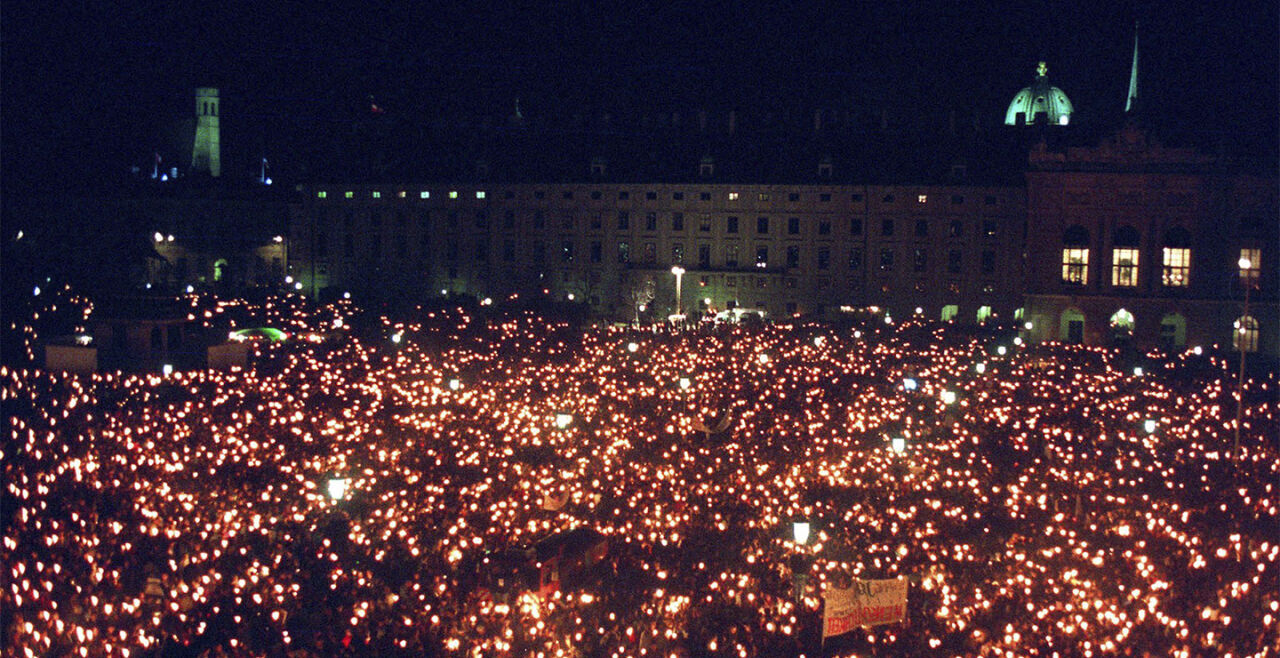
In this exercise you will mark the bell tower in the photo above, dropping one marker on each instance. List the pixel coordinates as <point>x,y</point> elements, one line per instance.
<point>206,154</point>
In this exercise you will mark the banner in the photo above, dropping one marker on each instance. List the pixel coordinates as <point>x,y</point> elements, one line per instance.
<point>867,603</point>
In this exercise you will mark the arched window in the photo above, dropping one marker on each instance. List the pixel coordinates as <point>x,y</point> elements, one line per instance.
<point>949,312</point>
<point>1173,332</point>
<point>1075,256</point>
<point>984,314</point>
<point>1071,327</point>
<point>1124,257</point>
<point>1122,324</point>
<point>1176,270</point>
<point>1245,335</point>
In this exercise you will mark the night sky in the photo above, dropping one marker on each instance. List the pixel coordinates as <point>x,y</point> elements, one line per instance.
<point>90,89</point>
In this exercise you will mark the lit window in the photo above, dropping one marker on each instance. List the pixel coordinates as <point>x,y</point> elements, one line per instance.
<point>424,195</point>
<point>321,194</point>
<point>479,194</point>
<point>733,196</point>
<point>1124,267</point>
<point>1177,266</point>
<point>1075,265</point>
<point>923,198</point>
<point>400,194</point>
<point>1245,336</point>
<point>349,194</point>
<point>1249,275</point>
<point>453,194</point>
<point>763,196</point>
<point>376,194</point>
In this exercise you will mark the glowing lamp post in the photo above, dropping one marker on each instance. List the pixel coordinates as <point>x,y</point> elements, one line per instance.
<point>909,384</point>
<point>800,532</point>
<point>633,347</point>
<point>455,384</point>
<point>1149,425</point>
<point>948,397</point>
<point>898,444</point>
<point>1246,266</point>
<point>337,488</point>
<point>685,383</point>
<point>563,420</point>
<point>679,272</point>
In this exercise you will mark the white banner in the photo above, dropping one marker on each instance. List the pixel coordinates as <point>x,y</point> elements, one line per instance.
<point>867,603</point>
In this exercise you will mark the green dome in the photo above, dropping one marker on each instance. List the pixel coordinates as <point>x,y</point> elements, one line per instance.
<point>1040,102</point>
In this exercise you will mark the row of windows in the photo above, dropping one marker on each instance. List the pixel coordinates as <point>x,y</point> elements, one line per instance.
<point>1173,329</point>
<point>989,228</point>
<point>624,195</point>
<point>1175,269</point>
<point>649,252</point>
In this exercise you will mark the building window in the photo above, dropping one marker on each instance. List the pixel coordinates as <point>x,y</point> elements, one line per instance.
<point>321,194</point>
<point>886,260</point>
<point>953,261</point>
<point>989,228</point>
<point>855,259</point>
<point>793,226</point>
<point>731,282</point>
<point>957,200</point>
<point>349,194</point>
<point>922,198</point>
<point>704,256</point>
<point>922,228</point>
<point>855,226</point>
<point>886,227</point>
<point>1075,256</point>
<point>677,253</point>
<point>731,256</point>
<point>762,225</point>
<point>763,196</point>
<point>1249,275</point>
<point>957,228</point>
<point>624,195</point>
<point>731,225</point>
<point>424,194</point>
<point>949,312</point>
<point>984,314</point>
<point>733,196</point>
<point>508,251</point>
<point>824,259</point>
<point>677,221</point>
<point>988,262</point>
<point>651,196</point>
<point>678,196</point>
<point>597,221</point>
<point>539,194</point>
<point>650,252</point>
<point>479,194</point>
<point>624,252</point>
<point>1124,257</point>
<point>1122,322</point>
<point>793,196</point>
<point>509,195</point>
<point>567,194</point>
<point>888,198</point>
<point>1245,336</point>
<point>825,197</point>
<point>453,194</point>
<point>624,221</point>
<point>1177,267</point>
<point>762,257</point>
<point>793,256</point>
<point>989,200</point>
<point>597,252</point>
<point>595,194</point>
<point>651,221</point>
<point>482,252</point>
<point>539,220</point>
<point>509,219</point>
<point>704,196</point>
<point>1124,267</point>
<point>824,227</point>
<point>704,224</point>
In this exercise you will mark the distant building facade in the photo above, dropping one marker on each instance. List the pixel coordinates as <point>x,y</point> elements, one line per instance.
<point>951,251</point>
<point>1130,241</point>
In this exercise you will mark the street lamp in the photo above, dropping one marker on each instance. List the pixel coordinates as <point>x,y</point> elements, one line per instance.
<point>337,488</point>
<point>800,532</point>
<point>679,272</point>
<point>1245,269</point>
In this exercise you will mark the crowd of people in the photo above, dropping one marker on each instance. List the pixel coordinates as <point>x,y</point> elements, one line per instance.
<point>1042,500</point>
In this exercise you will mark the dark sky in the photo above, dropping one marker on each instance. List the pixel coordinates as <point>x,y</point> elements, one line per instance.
<point>92,87</point>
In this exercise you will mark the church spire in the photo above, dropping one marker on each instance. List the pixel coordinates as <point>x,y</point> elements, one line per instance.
<point>1130,105</point>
